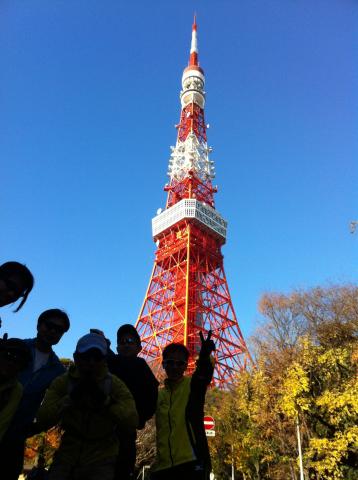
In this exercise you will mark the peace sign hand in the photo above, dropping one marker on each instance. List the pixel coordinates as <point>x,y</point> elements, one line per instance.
<point>207,345</point>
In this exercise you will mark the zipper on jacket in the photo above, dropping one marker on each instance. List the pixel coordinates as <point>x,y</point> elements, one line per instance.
<point>170,428</point>
<point>86,419</point>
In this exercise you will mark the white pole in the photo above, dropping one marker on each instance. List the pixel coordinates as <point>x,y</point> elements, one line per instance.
<point>232,463</point>
<point>299,448</point>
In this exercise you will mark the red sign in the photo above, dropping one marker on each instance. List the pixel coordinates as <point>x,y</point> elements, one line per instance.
<point>209,423</point>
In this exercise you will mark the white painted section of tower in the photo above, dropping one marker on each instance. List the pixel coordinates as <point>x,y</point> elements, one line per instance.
<point>191,155</point>
<point>193,83</point>
<point>194,42</point>
<point>190,209</point>
<point>192,97</point>
<point>192,72</point>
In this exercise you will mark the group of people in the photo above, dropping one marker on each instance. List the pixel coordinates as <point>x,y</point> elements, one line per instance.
<point>100,401</point>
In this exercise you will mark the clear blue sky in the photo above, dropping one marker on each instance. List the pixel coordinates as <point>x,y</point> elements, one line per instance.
<point>89,98</point>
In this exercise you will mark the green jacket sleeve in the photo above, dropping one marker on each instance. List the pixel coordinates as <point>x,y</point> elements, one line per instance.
<point>122,406</point>
<point>53,404</point>
<point>10,408</point>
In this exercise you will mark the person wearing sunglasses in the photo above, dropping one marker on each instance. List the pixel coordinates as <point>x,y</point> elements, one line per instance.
<point>91,405</point>
<point>43,368</point>
<point>139,378</point>
<point>182,449</point>
<point>14,357</point>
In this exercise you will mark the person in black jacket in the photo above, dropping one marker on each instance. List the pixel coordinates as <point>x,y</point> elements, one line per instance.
<point>140,380</point>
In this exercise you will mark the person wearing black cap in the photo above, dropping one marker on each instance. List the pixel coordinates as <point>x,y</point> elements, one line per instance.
<point>14,357</point>
<point>91,405</point>
<point>136,374</point>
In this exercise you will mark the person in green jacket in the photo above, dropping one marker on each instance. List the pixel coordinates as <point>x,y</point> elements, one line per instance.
<point>182,449</point>
<point>15,355</point>
<point>90,404</point>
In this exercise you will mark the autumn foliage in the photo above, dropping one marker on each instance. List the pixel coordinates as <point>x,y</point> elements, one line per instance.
<point>44,444</point>
<point>306,373</point>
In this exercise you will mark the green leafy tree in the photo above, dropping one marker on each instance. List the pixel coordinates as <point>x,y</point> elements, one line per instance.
<point>306,358</point>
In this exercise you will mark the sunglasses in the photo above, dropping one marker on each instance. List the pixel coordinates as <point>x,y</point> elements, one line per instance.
<point>127,341</point>
<point>53,326</point>
<point>170,362</point>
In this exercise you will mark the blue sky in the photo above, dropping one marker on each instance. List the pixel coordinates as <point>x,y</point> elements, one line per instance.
<point>89,99</point>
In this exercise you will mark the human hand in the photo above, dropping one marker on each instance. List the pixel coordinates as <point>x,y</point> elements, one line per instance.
<point>87,393</point>
<point>207,345</point>
<point>77,393</point>
<point>98,397</point>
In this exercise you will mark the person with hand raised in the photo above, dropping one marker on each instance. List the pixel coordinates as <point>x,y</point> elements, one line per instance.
<point>182,449</point>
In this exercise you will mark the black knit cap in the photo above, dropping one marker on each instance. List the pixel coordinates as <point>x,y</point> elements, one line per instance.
<point>18,346</point>
<point>128,329</point>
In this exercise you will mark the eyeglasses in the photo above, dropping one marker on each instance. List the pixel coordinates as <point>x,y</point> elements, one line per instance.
<point>170,362</point>
<point>53,326</point>
<point>127,341</point>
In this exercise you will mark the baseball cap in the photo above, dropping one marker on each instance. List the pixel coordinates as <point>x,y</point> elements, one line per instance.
<point>92,340</point>
<point>128,329</point>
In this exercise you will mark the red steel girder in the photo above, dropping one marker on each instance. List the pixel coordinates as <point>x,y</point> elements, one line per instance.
<point>190,187</point>
<point>188,293</point>
<point>192,120</point>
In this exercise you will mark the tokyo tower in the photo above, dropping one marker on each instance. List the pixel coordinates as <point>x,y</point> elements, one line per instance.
<point>188,290</point>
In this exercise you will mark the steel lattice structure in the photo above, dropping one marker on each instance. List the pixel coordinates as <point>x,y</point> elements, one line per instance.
<point>188,290</point>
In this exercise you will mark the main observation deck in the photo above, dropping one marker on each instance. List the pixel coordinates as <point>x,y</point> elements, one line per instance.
<point>190,209</point>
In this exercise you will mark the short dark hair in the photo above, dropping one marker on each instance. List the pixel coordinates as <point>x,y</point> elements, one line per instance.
<point>128,329</point>
<point>175,347</point>
<point>52,313</point>
<point>15,268</point>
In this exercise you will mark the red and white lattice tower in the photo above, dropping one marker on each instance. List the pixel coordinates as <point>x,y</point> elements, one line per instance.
<point>188,290</point>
